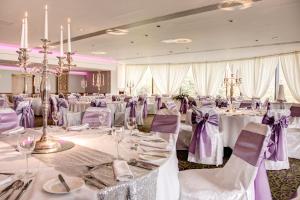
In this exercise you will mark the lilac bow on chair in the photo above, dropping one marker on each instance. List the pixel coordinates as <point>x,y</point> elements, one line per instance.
<point>159,103</point>
<point>17,100</point>
<point>192,103</point>
<point>184,105</point>
<point>142,101</point>
<point>27,116</point>
<point>275,150</point>
<point>2,102</point>
<point>200,137</point>
<point>132,105</point>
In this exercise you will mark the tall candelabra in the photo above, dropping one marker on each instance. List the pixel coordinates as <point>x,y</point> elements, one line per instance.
<point>45,144</point>
<point>83,84</point>
<point>98,81</point>
<point>130,85</point>
<point>231,82</point>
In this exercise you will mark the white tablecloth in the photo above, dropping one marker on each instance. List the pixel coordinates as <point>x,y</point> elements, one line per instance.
<point>10,160</point>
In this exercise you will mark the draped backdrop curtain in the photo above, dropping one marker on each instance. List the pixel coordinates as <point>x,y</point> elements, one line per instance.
<point>257,75</point>
<point>168,77</point>
<point>290,65</point>
<point>134,74</point>
<point>208,77</point>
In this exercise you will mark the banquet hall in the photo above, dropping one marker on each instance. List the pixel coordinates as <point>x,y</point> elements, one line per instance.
<point>150,100</point>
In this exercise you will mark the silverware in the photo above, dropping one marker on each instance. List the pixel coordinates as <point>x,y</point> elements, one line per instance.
<point>15,187</point>
<point>93,182</point>
<point>91,176</point>
<point>7,173</point>
<point>5,190</point>
<point>141,164</point>
<point>62,180</point>
<point>23,190</point>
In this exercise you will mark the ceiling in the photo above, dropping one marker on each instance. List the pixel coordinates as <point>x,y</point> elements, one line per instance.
<point>269,27</point>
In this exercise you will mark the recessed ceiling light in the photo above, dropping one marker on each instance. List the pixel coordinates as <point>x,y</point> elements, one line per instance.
<point>170,51</point>
<point>177,41</point>
<point>230,5</point>
<point>256,40</point>
<point>99,52</point>
<point>146,35</point>
<point>275,37</point>
<point>158,26</point>
<point>117,31</point>
<point>230,20</point>
<point>131,42</point>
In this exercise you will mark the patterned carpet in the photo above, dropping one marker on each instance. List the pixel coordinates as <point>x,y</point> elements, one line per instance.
<point>283,183</point>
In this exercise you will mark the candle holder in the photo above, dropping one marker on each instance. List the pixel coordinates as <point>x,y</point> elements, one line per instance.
<point>231,82</point>
<point>23,58</point>
<point>45,144</point>
<point>98,81</point>
<point>69,60</point>
<point>130,85</point>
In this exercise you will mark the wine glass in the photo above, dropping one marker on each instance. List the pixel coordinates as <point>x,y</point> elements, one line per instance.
<point>102,118</point>
<point>26,144</point>
<point>131,123</point>
<point>55,117</point>
<point>118,136</point>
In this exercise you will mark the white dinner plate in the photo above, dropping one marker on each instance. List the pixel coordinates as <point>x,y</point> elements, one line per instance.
<point>54,186</point>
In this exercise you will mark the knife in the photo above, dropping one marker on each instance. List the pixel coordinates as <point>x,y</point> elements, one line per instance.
<point>62,180</point>
<point>23,190</point>
<point>5,190</point>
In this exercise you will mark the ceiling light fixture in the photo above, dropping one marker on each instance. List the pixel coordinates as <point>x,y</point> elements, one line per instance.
<point>117,31</point>
<point>230,5</point>
<point>99,52</point>
<point>177,41</point>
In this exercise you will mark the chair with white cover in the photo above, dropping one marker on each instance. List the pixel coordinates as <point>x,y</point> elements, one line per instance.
<point>25,114</point>
<point>243,177</point>
<point>166,124</point>
<point>134,109</point>
<point>206,146</point>
<point>277,153</point>
<point>293,132</point>
<point>97,116</point>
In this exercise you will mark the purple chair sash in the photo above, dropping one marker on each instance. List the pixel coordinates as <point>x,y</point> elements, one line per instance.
<point>142,101</point>
<point>275,150</point>
<point>2,102</point>
<point>17,100</point>
<point>200,137</point>
<point>295,111</point>
<point>27,116</point>
<point>192,103</point>
<point>132,106</point>
<point>184,105</point>
<point>249,148</point>
<point>164,123</point>
<point>159,103</point>
<point>8,121</point>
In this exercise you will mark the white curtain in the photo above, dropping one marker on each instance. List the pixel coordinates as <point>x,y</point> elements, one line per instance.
<point>208,77</point>
<point>134,75</point>
<point>290,64</point>
<point>168,78</point>
<point>121,77</point>
<point>256,75</point>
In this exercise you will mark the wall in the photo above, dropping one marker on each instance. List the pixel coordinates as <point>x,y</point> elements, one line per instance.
<point>75,83</point>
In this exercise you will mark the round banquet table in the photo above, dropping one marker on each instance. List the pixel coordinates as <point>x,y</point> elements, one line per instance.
<point>231,123</point>
<point>8,119</point>
<point>93,147</point>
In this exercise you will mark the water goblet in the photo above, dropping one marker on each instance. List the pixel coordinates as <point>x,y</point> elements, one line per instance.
<point>131,123</point>
<point>26,144</point>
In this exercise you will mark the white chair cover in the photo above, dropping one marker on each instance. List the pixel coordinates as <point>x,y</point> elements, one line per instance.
<point>215,137</point>
<point>242,178</point>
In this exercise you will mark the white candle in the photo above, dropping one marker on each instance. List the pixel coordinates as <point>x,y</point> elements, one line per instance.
<point>93,79</point>
<point>69,35</point>
<point>61,41</point>
<point>26,31</point>
<point>23,34</point>
<point>46,23</point>
<point>102,79</point>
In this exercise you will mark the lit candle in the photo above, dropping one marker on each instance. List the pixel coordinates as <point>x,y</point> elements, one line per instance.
<point>61,41</point>
<point>46,23</point>
<point>26,31</point>
<point>69,35</point>
<point>23,33</point>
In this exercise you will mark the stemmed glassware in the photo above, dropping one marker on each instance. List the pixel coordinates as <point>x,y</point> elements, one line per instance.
<point>55,117</point>
<point>26,144</point>
<point>118,135</point>
<point>102,118</point>
<point>131,123</point>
